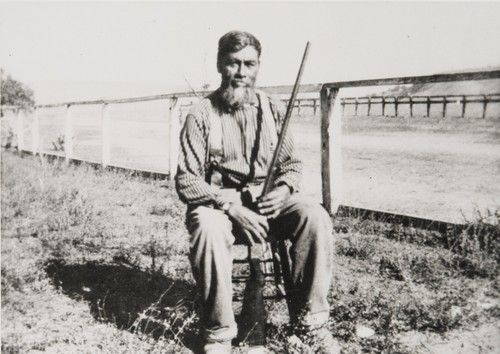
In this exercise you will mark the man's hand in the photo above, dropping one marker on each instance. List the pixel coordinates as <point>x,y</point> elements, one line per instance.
<point>271,204</point>
<point>253,227</point>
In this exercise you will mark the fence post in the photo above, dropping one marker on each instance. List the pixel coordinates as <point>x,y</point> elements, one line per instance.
<point>20,130</point>
<point>444,105</point>
<point>174,131</point>
<point>343,106</point>
<point>298,107</point>
<point>369,106</point>
<point>411,106</point>
<point>463,105</point>
<point>35,133</point>
<point>485,102</point>
<point>383,106</point>
<point>331,157</point>
<point>105,129</point>
<point>396,102</point>
<point>68,134</point>
<point>356,107</point>
<point>314,103</point>
<point>428,106</point>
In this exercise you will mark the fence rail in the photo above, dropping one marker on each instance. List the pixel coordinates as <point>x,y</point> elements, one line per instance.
<point>412,101</point>
<point>277,90</point>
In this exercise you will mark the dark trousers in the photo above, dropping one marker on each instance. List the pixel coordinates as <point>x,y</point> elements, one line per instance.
<point>305,223</point>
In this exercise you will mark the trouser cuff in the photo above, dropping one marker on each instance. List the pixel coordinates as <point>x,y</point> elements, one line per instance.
<point>314,320</point>
<point>223,334</point>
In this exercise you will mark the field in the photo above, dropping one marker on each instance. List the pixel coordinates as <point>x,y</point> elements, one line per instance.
<point>96,262</point>
<point>441,169</point>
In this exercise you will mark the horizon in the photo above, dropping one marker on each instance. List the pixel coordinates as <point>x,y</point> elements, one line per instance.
<point>137,49</point>
<point>55,91</point>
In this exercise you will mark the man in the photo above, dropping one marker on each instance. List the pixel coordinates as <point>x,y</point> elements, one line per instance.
<point>235,128</point>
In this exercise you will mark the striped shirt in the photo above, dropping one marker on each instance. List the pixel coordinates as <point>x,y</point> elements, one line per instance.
<point>239,131</point>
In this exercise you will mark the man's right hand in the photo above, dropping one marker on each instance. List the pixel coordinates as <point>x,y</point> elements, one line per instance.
<point>252,226</point>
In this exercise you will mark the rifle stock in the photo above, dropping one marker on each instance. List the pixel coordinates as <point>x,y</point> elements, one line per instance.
<point>253,312</point>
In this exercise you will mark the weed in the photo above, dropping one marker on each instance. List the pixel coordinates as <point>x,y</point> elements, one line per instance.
<point>58,144</point>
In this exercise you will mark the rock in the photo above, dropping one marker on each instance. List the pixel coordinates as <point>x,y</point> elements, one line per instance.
<point>456,311</point>
<point>258,350</point>
<point>486,305</point>
<point>364,332</point>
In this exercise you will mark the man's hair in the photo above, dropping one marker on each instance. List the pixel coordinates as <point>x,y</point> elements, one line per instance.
<point>234,41</point>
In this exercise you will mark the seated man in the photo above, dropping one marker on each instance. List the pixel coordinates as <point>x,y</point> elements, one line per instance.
<point>235,126</point>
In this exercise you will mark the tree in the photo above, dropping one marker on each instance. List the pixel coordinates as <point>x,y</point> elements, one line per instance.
<point>15,93</point>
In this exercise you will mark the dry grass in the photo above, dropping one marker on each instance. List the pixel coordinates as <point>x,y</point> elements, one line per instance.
<point>96,261</point>
<point>91,251</point>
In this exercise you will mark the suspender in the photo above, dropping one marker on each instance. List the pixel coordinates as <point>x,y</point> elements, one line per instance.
<point>215,150</point>
<point>268,118</point>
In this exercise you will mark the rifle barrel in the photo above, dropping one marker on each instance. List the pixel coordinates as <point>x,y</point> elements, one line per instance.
<point>272,167</point>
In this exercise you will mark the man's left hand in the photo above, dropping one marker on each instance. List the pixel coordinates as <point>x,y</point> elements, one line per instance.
<point>271,204</point>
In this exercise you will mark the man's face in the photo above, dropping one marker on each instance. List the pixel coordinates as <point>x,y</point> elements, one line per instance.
<point>239,72</point>
<point>240,69</point>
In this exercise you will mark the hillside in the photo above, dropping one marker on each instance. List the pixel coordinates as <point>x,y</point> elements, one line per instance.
<point>483,87</point>
<point>477,87</point>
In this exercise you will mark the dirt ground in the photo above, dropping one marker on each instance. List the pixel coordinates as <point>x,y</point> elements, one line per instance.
<point>437,175</point>
<point>483,339</point>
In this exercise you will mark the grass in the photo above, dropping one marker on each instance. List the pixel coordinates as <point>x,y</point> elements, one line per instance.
<point>113,242</point>
<point>96,261</point>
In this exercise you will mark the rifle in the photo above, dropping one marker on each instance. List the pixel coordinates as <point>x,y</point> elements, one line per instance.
<point>253,311</point>
<point>271,171</point>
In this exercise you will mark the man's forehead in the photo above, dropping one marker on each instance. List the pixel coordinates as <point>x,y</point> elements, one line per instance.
<point>247,53</point>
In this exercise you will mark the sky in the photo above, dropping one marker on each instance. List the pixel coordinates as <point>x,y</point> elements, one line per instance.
<point>68,50</point>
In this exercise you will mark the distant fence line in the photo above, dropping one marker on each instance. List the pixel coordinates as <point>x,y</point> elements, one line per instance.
<point>300,104</point>
<point>411,101</point>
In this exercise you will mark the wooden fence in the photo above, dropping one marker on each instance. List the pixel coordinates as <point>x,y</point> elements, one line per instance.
<point>331,137</point>
<point>413,101</point>
<point>301,103</point>
<point>173,106</point>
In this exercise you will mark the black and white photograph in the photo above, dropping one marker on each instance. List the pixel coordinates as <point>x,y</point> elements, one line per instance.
<point>217,177</point>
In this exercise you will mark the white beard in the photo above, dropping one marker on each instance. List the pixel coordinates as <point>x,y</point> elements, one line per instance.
<point>235,98</point>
